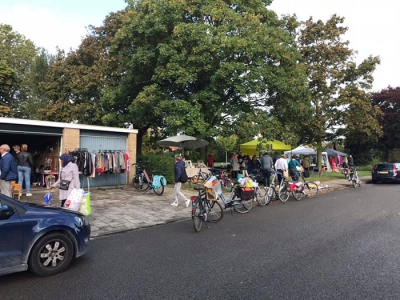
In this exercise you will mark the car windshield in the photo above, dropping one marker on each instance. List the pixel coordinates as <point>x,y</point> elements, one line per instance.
<point>384,166</point>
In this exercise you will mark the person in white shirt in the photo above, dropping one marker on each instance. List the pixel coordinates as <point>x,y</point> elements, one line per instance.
<point>281,165</point>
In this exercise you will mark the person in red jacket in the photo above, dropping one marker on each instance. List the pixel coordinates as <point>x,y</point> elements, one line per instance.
<point>210,160</point>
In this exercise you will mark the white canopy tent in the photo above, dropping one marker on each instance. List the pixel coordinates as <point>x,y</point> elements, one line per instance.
<point>303,150</point>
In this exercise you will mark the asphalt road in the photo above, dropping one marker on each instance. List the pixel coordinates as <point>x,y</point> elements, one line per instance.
<point>341,245</point>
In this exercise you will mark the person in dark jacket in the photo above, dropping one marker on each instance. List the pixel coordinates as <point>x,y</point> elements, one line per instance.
<point>254,165</point>
<point>25,164</point>
<point>8,169</point>
<point>180,175</point>
<point>267,164</point>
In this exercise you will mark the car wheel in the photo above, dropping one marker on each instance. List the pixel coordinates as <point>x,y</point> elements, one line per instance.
<point>50,255</point>
<point>374,181</point>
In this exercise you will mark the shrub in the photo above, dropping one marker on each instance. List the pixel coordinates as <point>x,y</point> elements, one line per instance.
<point>162,163</point>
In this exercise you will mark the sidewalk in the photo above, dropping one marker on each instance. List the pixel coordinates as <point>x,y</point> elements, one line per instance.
<point>117,210</point>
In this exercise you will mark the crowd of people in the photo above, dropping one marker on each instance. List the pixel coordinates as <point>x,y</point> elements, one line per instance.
<point>18,168</point>
<point>263,165</point>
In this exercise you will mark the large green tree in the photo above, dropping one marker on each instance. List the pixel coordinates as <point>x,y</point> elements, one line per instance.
<point>16,57</point>
<point>75,82</point>
<point>192,66</point>
<point>35,105</point>
<point>337,84</point>
<point>388,100</point>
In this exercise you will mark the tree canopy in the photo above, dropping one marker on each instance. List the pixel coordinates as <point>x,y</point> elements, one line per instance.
<point>192,66</point>
<point>388,100</point>
<point>17,55</point>
<point>337,84</point>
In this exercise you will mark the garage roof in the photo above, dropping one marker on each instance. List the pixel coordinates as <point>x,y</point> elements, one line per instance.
<point>64,125</point>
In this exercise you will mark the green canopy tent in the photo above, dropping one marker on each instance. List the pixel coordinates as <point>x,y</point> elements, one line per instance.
<point>255,147</point>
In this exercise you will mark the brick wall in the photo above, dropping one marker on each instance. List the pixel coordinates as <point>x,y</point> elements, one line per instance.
<point>132,140</point>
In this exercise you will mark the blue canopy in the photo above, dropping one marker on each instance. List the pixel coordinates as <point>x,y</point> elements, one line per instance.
<point>332,152</point>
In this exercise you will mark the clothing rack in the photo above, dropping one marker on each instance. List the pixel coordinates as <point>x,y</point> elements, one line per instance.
<point>115,175</point>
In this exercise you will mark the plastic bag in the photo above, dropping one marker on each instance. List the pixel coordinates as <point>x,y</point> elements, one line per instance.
<point>47,198</point>
<point>85,208</point>
<point>74,200</point>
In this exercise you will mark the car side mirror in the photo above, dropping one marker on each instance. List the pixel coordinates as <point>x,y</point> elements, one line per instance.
<point>6,211</point>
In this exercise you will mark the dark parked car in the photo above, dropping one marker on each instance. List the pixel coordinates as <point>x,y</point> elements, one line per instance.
<point>386,172</point>
<point>43,239</point>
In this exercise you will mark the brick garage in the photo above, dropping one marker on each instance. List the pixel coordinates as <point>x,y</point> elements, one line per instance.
<point>48,140</point>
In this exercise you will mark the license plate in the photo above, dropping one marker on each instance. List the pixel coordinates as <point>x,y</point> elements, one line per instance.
<point>384,172</point>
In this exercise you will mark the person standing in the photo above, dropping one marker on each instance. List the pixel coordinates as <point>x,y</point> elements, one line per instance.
<point>180,177</point>
<point>306,163</point>
<point>350,161</point>
<point>8,169</point>
<point>17,149</point>
<point>25,164</point>
<point>266,164</point>
<point>235,165</point>
<point>292,166</point>
<point>210,160</point>
<point>281,166</point>
<point>254,165</point>
<point>69,171</point>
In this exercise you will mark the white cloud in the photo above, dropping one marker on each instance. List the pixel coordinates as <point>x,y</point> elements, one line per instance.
<point>46,28</point>
<point>372,29</point>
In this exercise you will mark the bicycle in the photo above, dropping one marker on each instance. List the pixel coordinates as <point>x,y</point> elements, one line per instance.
<point>141,181</point>
<point>240,200</point>
<point>353,177</point>
<point>305,188</point>
<point>282,193</point>
<point>226,182</point>
<point>204,210</point>
<point>259,192</point>
<point>199,178</point>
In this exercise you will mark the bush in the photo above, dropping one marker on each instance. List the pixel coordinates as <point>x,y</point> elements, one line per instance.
<point>162,163</point>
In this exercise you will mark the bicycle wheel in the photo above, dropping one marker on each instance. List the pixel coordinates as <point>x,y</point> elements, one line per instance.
<point>159,190</point>
<point>197,216</point>
<point>227,185</point>
<point>260,196</point>
<point>215,211</point>
<point>269,195</point>
<point>243,206</point>
<point>297,195</point>
<point>283,192</point>
<point>140,183</point>
<point>354,182</point>
<point>311,189</point>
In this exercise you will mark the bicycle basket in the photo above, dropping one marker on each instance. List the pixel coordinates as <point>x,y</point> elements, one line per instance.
<point>210,195</point>
<point>246,193</point>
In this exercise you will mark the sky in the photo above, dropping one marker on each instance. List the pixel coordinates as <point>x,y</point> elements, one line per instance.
<point>373,25</point>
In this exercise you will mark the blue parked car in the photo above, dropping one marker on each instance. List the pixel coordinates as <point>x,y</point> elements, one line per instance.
<point>43,239</point>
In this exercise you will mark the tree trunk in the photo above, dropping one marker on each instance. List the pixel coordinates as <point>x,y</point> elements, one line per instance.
<point>139,141</point>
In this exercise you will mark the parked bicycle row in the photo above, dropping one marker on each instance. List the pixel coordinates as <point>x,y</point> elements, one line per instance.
<point>207,208</point>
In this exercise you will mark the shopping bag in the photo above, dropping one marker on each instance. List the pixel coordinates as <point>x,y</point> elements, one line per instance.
<point>74,200</point>
<point>285,174</point>
<point>47,198</point>
<point>85,208</point>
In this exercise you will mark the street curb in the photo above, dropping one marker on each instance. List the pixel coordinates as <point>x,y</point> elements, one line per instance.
<point>178,219</point>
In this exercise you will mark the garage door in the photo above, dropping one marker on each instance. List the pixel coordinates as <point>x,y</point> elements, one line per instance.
<point>95,141</point>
